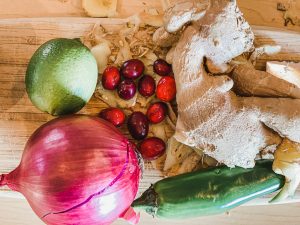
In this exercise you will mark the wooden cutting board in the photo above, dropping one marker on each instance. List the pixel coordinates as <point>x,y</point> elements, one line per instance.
<point>20,37</point>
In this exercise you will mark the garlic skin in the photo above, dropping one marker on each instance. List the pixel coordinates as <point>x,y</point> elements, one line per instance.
<point>287,163</point>
<point>101,52</point>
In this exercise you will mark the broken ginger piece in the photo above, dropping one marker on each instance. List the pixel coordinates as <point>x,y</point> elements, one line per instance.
<point>288,71</point>
<point>251,82</point>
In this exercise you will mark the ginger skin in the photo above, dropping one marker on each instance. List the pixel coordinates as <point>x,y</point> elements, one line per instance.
<point>229,128</point>
<point>251,82</point>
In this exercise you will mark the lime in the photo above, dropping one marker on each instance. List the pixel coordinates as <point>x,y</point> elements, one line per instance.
<point>61,76</point>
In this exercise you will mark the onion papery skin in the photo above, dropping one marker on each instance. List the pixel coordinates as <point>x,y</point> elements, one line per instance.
<point>68,160</point>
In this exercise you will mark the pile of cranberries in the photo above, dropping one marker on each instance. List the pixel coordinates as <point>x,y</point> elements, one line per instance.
<point>126,81</point>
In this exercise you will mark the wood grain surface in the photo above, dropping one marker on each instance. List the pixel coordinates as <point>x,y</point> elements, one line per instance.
<point>18,212</point>
<point>257,12</point>
<point>19,38</point>
<point>21,35</point>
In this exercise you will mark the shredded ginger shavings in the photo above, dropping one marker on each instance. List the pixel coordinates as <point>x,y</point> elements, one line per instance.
<point>181,158</point>
<point>131,41</point>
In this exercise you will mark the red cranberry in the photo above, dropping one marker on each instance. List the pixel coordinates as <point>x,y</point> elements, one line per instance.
<point>132,69</point>
<point>157,112</point>
<point>146,86</point>
<point>138,125</point>
<point>127,89</point>
<point>162,68</point>
<point>114,115</point>
<point>166,89</point>
<point>111,78</point>
<point>152,148</point>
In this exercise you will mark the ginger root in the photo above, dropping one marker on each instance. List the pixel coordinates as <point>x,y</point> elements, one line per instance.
<point>288,71</point>
<point>229,128</point>
<point>183,12</point>
<point>251,82</point>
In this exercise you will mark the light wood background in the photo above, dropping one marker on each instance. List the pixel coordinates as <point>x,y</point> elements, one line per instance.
<point>20,37</point>
<point>257,12</point>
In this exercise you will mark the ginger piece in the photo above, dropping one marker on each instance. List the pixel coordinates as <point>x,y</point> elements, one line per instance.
<point>176,153</point>
<point>287,163</point>
<point>288,71</point>
<point>181,158</point>
<point>281,115</point>
<point>100,8</point>
<point>211,117</point>
<point>190,163</point>
<point>251,82</point>
<point>183,12</point>
<point>264,50</point>
<point>163,38</point>
<point>169,56</point>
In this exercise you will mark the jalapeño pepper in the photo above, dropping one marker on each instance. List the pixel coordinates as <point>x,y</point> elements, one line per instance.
<point>207,192</point>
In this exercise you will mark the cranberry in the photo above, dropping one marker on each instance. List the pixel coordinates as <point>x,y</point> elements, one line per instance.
<point>152,148</point>
<point>162,68</point>
<point>111,78</point>
<point>138,125</point>
<point>127,89</point>
<point>146,86</point>
<point>157,112</point>
<point>114,115</point>
<point>132,69</point>
<point>166,89</point>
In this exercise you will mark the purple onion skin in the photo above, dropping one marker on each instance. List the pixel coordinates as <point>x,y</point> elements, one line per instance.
<point>66,162</point>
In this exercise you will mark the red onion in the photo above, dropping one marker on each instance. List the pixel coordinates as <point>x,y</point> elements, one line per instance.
<point>78,170</point>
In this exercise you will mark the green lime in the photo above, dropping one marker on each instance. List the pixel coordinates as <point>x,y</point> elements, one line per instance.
<point>61,76</point>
